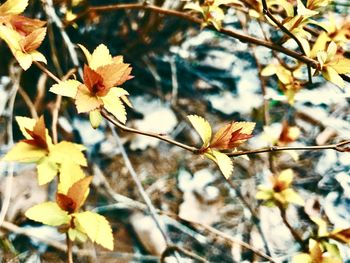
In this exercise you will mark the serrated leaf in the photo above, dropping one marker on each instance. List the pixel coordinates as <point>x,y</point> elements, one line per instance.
<point>79,191</point>
<point>70,173</point>
<point>114,74</point>
<point>33,40</point>
<point>47,170</point>
<point>67,88</point>
<point>232,135</point>
<point>96,227</point>
<point>202,127</point>
<point>24,152</point>
<point>66,203</point>
<point>85,101</point>
<point>48,213</point>
<point>114,105</point>
<point>100,57</point>
<point>224,162</point>
<point>13,7</point>
<point>67,151</point>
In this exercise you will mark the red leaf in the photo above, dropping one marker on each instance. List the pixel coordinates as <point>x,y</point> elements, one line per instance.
<point>66,203</point>
<point>94,82</point>
<point>38,134</point>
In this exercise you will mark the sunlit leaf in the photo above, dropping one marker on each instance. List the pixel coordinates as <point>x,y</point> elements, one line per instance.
<point>48,213</point>
<point>293,197</point>
<point>70,172</point>
<point>302,258</point>
<point>24,152</point>
<point>47,170</point>
<point>114,105</point>
<point>25,123</point>
<point>224,163</point>
<point>85,101</point>
<point>332,75</point>
<point>13,7</point>
<point>86,53</point>
<point>95,118</point>
<point>96,227</point>
<point>66,88</point>
<point>67,151</point>
<point>203,128</point>
<point>100,57</point>
<point>75,234</point>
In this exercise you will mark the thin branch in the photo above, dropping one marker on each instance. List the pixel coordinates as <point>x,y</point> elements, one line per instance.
<point>139,186</point>
<point>337,147</point>
<point>149,134</point>
<point>28,102</point>
<point>171,249</point>
<point>69,249</point>
<point>186,16</point>
<point>288,33</point>
<point>294,233</point>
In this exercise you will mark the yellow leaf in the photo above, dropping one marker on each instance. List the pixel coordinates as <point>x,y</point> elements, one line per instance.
<point>25,123</point>
<point>320,44</point>
<point>286,176</point>
<point>37,56</point>
<point>303,11</point>
<point>48,213</point>
<point>194,6</point>
<point>269,70</point>
<point>264,194</point>
<point>24,152</point>
<point>342,65</point>
<point>67,151</point>
<point>100,57</point>
<point>332,75</point>
<point>25,60</point>
<point>66,88</point>
<point>70,173</point>
<point>114,105</point>
<point>322,226</point>
<point>291,196</point>
<point>224,162</point>
<point>203,128</point>
<point>75,234</point>
<point>13,7</point>
<point>86,53</point>
<point>302,258</point>
<point>85,101</point>
<point>47,170</point>
<point>96,227</point>
<point>95,118</point>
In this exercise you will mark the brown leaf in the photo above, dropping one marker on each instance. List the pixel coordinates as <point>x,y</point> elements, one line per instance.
<point>78,191</point>
<point>38,134</point>
<point>94,82</point>
<point>25,25</point>
<point>229,136</point>
<point>66,203</point>
<point>33,40</point>
<point>114,74</point>
<point>341,236</point>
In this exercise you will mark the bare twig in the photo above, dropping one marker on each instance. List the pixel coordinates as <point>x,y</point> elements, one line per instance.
<point>28,102</point>
<point>69,249</point>
<point>139,186</point>
<point>288,33</point>
<point>15,76</point>
<point>150,134</point>
<point>337,147</point>
<point>173,248</point>
<point>186,16</point>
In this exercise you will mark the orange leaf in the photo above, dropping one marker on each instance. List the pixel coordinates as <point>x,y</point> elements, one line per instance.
<point>231,135</point>
<point>78,191</point>
<point>94,82</point>
<point>114,74</point>
<point>33,40</point>
<point>38,134</point>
